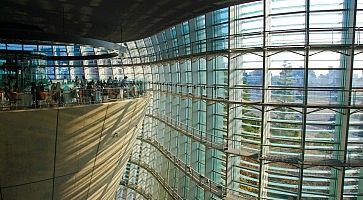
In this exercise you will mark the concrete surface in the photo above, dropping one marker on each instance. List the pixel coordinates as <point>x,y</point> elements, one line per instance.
<point>67,153</point>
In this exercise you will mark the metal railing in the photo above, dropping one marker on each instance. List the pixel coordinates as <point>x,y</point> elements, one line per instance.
<point>198,135</point>
<point>220,143</point>
<point>171,191</point>
<point>279,97</point>
<point>137,189</point>
<point>316,157</point>
<point>72,97</point>
<point>202,180</point>
<point>275,154</point>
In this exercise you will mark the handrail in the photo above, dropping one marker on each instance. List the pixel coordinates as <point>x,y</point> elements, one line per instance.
<point>203,181</point>
<point>189,131</point>
<point>327,160</point>
<point>137,189</point>
<point>273,87</point>
<point>172,192</point>
<point>69,98</point>
<point>270,88</point>
<point>259,103</point>
<point>85,57</point>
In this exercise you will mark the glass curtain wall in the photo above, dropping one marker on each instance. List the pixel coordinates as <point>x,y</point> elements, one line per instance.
<point>261,100</point>
<point>100,69</point>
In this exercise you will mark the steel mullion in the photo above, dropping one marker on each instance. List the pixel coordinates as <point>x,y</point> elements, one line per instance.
<point>305,100</point>
<point>349,89</point>
<point>263,109</point>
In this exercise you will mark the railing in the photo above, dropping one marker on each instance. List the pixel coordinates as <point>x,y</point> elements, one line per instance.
<point>202,180</point>
<point>208,140</point>
<point>189,131</point>
<point>275,154</point>
<point>315,157</point>
<point>171,191</point>
<point>281,96</point>
<point>73,97</point>
<point>137,189</point>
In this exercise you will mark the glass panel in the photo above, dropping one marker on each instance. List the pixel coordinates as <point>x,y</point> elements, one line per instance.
<point>285,6</point>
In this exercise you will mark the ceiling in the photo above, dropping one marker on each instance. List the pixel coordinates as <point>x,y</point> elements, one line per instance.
<point>109,20</point>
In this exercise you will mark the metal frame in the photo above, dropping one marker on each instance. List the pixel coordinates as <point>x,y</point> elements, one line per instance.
<point>202,88</point>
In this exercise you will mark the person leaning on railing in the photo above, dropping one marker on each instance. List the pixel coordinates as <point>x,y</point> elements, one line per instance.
<point>124,82</point>
<point>132,89</point>
<point>124,85</point>
<point>77,82</point>
<point>41,95</point>
<point>115,82</point>
<point>91,91</point>
<point>139,87</point>
<point>109,81</point>
<point>34,91</point>
<point>74,95</point>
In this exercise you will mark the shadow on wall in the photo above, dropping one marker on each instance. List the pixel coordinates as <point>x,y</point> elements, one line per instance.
<point>67,153</point>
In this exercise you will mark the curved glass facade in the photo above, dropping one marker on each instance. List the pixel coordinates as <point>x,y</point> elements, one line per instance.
<point>263,100</point>
<point>42,69</point>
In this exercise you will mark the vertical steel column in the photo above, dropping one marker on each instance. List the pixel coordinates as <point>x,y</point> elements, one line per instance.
<point>180,41</point>
<point>228,142</point>
<point>263,180</point>
<point>195,123</point>
<point>133,66</point>
<point>54,71</point>
<point>96,65</point>
<point>209,108</point>
<point>69,68</point>
<point>184,118</point>
<point>167,130</point>
<point>192,35</point>
<point>165,137</point>
<point>169,43</point>
<point>305,100</point>
<point>348,37</point>
<point>174,178</point>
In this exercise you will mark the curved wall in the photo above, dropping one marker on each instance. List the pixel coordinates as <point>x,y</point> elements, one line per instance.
<point>67,153</point>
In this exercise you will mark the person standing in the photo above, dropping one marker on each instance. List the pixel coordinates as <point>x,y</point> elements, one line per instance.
<point>115,82</point>
<point>109,81</point>
<point>65,80</point>
<point>34,93</point>
<point>90,92</point>
<point>76,82</point>
<point>124,82</point>
<point>83,82</point>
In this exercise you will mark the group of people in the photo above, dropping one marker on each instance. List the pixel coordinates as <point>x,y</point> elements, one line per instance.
<point>95,91</point>
<point>10,86</point>
<point>38,93</point>
<point>117,83</point>
<point>59,92</point>
<point>83,83</point>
